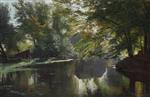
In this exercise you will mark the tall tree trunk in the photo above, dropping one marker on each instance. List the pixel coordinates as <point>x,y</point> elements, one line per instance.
<point>146,38</point>
<point>148,42</point>
<point>3,56</point>
<point>129,45</point>
<point>146,27</point>
<point>145,42</point>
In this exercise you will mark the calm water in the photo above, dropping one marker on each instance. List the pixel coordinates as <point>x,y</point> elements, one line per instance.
<point>59,80</point>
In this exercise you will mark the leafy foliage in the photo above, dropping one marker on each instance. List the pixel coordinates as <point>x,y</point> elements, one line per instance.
<point>127,19</point>
<point>7,33</point>
<point>47,26</point>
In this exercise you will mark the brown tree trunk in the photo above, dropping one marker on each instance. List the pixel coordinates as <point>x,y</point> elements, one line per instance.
<point>129,44</point>
<point>146,29</point>
<point>148,42</point>
<point>3,54</point>
<point>145,42</point>
<point>147,39</point>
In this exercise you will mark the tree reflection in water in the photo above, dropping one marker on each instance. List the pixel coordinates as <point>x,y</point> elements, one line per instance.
<point>59,81</point>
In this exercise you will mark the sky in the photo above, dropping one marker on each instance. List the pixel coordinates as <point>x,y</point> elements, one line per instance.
<point>12,9</point>
<point>7,1</point>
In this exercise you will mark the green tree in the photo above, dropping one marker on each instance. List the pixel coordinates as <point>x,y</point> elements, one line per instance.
<point>47,25</point>
<point>6,32</point>
<point>128,19</point>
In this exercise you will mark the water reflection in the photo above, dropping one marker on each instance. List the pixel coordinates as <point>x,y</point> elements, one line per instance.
<point>111,84</point>
<point>59,80</point>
